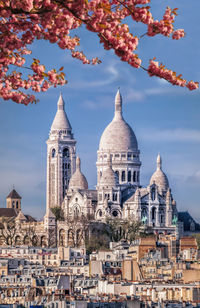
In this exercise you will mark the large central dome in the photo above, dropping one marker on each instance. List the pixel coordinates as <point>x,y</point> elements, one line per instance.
<point>118,135</point>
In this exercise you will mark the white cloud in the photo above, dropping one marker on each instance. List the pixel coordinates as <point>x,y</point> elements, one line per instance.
<point>100,102</point>
<point>158,91</point>
<point>162,81</point>
<point>195,178</point>
<point>111,75</point>
<point>133,95</point>
<point>112,70</point>
<point>172,135</point>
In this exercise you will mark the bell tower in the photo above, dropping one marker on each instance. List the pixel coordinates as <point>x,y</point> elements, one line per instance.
<point>13,200</point>
<point>61,157</point>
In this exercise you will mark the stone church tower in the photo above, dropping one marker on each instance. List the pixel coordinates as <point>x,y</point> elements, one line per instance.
<point>61,157</point>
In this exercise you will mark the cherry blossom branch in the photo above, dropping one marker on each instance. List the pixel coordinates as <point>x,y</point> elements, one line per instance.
<point>24,21</point>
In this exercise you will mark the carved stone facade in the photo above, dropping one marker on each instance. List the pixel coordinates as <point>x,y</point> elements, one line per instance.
<point>118,193</point>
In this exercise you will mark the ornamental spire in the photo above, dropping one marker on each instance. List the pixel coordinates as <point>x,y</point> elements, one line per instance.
<point>159,162</point>
<point>78,163</point>
<point>118,105</point>
<point>61,103</point>
<point>61,121</point>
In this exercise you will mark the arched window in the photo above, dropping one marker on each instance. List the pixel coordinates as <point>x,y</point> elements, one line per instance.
<point>53,153</point>
<point>138,176</point>
<point>134,176</point>
<point>17,240</point>
<point>76,211</point>
<point>114,197</point>
<point>71,237</point>
<point>62,237</point>
<point>123,176</point>
<point>43,241</point>
<point>26,240</point>
<point>162,216</point>
<point>100,213</point>
<point>79,237</point>
<point>117,175</point>
<point>153,213</point>
<point>129,176</point>
<point>144,215</point>
<point>66,152</point>
<point>2,240</point>
<point>17,205</point>
<point>13,204</point>
<point>107,196</point>
<point>34,240</point>
<point>153,193</point>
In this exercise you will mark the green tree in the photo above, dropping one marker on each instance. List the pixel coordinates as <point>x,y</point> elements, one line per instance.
<point>127,230</point>
<point>8,231</point>
<point>97,242</point>
<point>58,212</point>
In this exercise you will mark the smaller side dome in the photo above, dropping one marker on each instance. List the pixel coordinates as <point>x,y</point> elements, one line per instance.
<point>159,177</point>
<point>78,180</point>
<point>108,177</point>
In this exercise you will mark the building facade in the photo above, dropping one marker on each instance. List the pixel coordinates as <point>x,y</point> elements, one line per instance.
<point>119,193</point>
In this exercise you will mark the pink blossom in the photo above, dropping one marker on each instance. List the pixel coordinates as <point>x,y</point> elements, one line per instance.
<point>45,19</point>
<point>178,34</point>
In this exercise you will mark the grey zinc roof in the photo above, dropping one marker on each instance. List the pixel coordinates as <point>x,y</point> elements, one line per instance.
<point>30,218</point>
<point>14,195</point>
<point>4,212</point>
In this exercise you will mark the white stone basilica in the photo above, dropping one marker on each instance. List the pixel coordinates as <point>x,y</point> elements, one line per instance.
<point>118,193</point>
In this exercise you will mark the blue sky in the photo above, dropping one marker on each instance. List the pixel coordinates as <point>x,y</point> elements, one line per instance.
<point>165,118</point>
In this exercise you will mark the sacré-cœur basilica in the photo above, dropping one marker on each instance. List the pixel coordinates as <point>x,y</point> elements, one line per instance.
<point>118,193</point>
